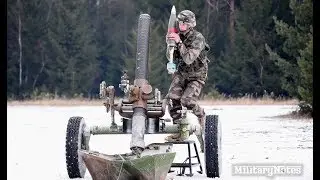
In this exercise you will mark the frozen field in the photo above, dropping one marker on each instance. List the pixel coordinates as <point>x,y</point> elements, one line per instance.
<point>36,140</point>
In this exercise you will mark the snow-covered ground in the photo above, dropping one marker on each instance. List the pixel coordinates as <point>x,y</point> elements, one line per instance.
<point>36,140</point>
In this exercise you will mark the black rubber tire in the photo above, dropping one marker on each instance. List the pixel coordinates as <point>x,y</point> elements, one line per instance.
<point>74,141</point>
<point>212,146</point>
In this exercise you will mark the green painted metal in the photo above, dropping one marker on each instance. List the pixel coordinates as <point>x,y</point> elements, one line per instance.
<point>168,129</point>
<point>152,164</point>
<point>95,130</point>
<point>184,128</point>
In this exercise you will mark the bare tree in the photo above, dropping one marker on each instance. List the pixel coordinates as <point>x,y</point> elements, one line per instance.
<point>20,43</point>
<point>43,48</point>
<point>209,7</point>
<point>231,21</point>
<point>231,17</point>
<point>42,66</point>
<point>261,71</point>
<point>213,3</point>
<point>49,11</point>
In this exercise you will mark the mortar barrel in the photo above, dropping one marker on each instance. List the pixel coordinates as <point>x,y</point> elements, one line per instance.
<point>141,71</point>
<point>138,127</point>
<point>141,78</point>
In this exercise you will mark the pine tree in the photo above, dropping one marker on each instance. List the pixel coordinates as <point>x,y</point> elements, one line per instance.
<point>158,74</point>
<point>69,47</point>
<point>305,63</point>
<point>245,66</point>
<point>295,58</point>
<point>12,49</point>
<point>73,65</point>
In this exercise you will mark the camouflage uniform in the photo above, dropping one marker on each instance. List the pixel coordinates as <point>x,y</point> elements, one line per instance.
<point>192,67</point>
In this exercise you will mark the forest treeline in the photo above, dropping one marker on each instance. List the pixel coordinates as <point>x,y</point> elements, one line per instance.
<point>65,48</point>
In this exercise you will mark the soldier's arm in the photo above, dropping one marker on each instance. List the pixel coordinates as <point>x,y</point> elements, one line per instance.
<point>190,54</point>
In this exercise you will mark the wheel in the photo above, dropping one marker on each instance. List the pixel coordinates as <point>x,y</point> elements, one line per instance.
<point>74,141</point>
<point>212,146</point>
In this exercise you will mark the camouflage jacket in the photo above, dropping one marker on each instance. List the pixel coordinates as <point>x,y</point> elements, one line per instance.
<point>191,56</point>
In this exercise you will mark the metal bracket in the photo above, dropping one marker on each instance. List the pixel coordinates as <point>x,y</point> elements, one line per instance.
<point>108,93</point>
<point>124,84</point>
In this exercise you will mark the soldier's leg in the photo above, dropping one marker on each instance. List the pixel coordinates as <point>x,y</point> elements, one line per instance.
<point>190,99</point>
<point>173,108</point>
<point>174,94</point>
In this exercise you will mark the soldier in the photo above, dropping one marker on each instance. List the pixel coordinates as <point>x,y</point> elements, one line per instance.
<point>192,68</point>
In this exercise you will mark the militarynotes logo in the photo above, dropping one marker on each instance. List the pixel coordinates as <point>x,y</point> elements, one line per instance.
<point>268,170</point>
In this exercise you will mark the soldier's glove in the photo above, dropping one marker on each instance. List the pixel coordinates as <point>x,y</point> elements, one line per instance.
<point>174,36</point>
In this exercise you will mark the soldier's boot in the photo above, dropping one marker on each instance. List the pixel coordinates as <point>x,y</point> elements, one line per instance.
<point>201,121</point>
<point>173,137</point>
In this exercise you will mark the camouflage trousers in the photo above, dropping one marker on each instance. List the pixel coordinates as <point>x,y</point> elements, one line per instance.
<point>184,92</point>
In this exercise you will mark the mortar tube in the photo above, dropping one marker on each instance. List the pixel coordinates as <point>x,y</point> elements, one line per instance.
<point>139,116</point>
<point>138,128</point>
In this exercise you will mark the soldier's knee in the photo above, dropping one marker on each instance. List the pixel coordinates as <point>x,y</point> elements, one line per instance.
<point>198,111</point>
<point>174,96</point>
<point>171,96</point>
<point>187,102</point>
<point>183,101</point>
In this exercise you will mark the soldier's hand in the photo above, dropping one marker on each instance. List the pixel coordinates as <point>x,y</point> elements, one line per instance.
<point>168,38</point>
<point>174,36</point>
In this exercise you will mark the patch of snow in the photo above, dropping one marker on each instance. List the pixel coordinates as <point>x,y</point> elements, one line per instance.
<point>36,140</point>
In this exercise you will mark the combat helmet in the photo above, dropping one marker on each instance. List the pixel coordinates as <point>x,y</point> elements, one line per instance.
<point>188,17</point>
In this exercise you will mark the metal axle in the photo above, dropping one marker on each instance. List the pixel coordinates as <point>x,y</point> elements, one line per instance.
<point>168,129</point>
